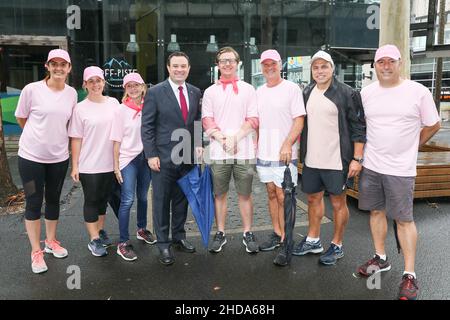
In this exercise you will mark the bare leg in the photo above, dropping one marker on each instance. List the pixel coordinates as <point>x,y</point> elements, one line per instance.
<point>246,208</point>
<point>316,211</point>
<point>341,215</point>
<point>407,235</point>
<point>378,227</point>
<point>274,208</point>
<point>280,199</point>
<point>221,211</point>
<point>33,228</point>
<point>50,229</point>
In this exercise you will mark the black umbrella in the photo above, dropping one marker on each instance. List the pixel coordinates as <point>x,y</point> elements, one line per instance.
<point>396,237</point>
<point>290,204</point>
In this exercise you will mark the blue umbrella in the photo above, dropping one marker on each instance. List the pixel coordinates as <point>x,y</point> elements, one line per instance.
<point>197,187</point>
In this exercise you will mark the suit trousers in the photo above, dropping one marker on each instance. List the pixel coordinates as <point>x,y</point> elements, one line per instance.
<point>169,204</point>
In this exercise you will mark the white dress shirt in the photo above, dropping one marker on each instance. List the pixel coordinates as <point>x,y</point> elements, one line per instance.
<point>177,92</point>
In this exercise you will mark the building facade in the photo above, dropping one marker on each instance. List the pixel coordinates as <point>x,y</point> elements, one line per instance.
<point>122,36</point>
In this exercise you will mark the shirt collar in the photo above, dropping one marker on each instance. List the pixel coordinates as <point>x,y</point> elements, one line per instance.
<point>175,86</point>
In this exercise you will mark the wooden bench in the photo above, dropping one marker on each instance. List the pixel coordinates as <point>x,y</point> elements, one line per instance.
<point>433,176</point>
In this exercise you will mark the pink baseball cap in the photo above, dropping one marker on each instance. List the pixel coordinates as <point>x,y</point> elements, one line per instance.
<point>93,71</point>
<point>270,55</point>
<point>58,53</point>
<point>388,50</point>
<point>133,76</point>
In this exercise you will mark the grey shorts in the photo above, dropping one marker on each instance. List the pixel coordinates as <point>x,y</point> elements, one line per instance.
<point>391,194</point>
<point>242,175</point>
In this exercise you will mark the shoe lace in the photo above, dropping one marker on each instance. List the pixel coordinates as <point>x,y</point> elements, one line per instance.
<point>54,245</point>
<point>408,283</point>
<point>38,256</point>
<point>218,236</point>
<point>249,237</point>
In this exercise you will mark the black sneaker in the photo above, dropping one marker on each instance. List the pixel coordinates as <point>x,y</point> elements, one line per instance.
<point>249,242</point>
<point>408,288</point>
<point>374,265</point>
<point>125,250</point>
<point>218,242</point>
<point>273,242</point>
<point>104,238</point>
<point>281,258</point>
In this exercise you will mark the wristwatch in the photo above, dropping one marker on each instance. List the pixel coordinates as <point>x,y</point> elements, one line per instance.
<point>359,160</point>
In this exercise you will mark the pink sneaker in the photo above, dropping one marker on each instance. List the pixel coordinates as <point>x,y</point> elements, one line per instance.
<point>55,248</point>
<point>37,262</point>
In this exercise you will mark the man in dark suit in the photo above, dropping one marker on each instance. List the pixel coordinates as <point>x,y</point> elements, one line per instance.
<point>170,109</point>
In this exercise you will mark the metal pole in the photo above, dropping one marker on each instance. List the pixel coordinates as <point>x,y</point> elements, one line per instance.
<point>394,29</point>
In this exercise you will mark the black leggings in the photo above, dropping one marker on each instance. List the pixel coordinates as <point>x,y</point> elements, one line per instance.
<point>96,189</point>
<point>38,178</point>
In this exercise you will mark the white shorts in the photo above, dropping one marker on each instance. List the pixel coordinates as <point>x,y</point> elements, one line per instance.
<point>276,174</point>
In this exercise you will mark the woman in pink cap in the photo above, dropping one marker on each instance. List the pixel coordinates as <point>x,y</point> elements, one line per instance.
<point>92,155</point>
<point>130,164</point>
<point>43,153</point>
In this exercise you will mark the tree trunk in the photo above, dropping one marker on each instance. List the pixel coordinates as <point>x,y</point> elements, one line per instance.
<point>7,187</point>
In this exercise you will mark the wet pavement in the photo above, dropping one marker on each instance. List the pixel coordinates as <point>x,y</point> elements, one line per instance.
<point>230,274</point>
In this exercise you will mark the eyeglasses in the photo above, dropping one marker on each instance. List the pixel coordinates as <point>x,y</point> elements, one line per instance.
<point>227,61</point>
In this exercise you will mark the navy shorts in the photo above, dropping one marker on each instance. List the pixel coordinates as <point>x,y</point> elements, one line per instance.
<point>316,180</point>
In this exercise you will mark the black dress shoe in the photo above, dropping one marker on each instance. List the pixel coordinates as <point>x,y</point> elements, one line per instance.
<point>184,245</point>
<point>166,256</point>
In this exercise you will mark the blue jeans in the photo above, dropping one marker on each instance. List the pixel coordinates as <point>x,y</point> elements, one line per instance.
<point>136,180</point>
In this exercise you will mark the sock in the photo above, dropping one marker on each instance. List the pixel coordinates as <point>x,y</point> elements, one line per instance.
<point>308,239</point>
<point>382,256</point>
<point>411,273</point>
<point>337,245</point>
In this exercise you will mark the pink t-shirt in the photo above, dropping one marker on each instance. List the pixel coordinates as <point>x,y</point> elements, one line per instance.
<point>44,138</point>
<point>229,111</point>
<point>92,122</point>
<point>394,118</point>
<point>277,108</point>
<point>126,129</point>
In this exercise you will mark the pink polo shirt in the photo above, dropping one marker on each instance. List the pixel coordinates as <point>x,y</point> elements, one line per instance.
<point>126,129</point>
<point>92,121</point>
<point>277,108</point>
<point>44,138</point>
<point>229,111</point>
<point>394,118</point>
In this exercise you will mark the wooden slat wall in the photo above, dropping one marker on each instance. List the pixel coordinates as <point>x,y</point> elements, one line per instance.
<point>433,176</point>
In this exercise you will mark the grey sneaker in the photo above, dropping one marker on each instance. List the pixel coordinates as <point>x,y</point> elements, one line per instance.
<point>332,255</point>
<point>272,242</point>
<point>249,242</point>
<point>305,247</point>
<point>97,249</point>
<point>125,250</point>
<point>145,235</point>
<point>106,241</point>
<point>218,242</point>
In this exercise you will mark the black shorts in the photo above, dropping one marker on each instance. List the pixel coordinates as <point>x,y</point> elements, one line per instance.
<point>316,180</point>
<point>97,188</point>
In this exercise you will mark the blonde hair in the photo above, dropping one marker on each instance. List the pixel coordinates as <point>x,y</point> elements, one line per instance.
<point>144,91</point>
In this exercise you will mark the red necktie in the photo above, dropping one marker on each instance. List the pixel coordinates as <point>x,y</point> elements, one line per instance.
<point>184,108</point>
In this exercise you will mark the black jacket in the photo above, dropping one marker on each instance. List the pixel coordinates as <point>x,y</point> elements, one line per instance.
<point>351,120</point>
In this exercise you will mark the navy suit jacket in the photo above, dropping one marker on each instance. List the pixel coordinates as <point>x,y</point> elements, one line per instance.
<point>161,116</point>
